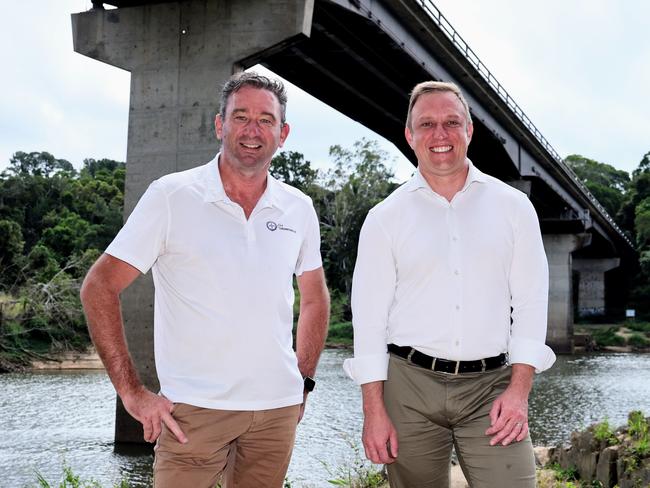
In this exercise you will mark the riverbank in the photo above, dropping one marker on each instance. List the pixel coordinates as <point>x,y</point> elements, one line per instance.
<point>588,338</point>
<point>70,360</point>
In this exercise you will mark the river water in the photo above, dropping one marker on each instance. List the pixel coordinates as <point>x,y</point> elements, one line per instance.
<point>52,419</point>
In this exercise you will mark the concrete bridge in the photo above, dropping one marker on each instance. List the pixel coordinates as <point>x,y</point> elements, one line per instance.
<point>361,57</point>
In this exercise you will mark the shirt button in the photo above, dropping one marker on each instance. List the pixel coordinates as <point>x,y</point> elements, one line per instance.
<point>457,343</point>
<point>456,272</point>
<point>457,307</point>
<point>454,238</point>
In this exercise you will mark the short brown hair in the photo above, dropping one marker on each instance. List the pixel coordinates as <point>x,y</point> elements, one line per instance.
<point>436,86</point>
<point>250,78</point>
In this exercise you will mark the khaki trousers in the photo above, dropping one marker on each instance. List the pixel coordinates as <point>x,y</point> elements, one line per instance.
<point>434,411</point>
<point>239,449</point>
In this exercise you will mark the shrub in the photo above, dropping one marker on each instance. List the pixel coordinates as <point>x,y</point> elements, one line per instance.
<point>638,340</point>
<point>608,337</point>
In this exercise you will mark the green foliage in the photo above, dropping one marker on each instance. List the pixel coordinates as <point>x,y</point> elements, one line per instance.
<point>605,182</point>
<point>38,164</point>
<point>608,337</point>
<point>292,168</point>
<point>642,223</point>
<point>359,180</point>
<point>11,248</point>
<point>644,165</point>
<point>53,223</point>
<point>638,326</point>
<point>71,480</point>
<point>357,473</point>
<point>340,332</point>
<point>603,432</point>
<point>637,425</point>
<point>638,340</point>
<point>569,474</point>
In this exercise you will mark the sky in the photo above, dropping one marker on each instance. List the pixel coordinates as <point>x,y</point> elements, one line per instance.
<point>580,70</point>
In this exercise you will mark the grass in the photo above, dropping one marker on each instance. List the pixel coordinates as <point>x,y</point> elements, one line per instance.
<point>71,480</point>
<point>635,335</point>
<point>357,472</point>
<point>340,333</point>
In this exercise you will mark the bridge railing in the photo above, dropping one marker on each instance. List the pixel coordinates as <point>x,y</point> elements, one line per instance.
<point>444,25</point>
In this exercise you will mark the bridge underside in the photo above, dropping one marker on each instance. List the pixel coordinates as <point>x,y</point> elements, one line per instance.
<point>363,60</point>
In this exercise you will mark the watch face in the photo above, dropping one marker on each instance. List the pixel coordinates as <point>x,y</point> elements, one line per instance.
<point>309,384</point>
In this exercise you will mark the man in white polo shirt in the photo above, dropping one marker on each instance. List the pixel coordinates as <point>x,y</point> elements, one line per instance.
<point>224,241</point>
<point>451,280</point>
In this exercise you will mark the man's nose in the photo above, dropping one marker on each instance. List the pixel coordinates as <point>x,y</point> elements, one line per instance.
<point>439,131</point>
<point>253,128</point>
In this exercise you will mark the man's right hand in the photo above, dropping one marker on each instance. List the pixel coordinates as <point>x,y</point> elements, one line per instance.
<point>379,438</point>
<point>152,411</point>
<point>379,435</point>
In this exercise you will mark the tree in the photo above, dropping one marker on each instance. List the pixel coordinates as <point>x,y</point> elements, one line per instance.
<point>639,190</point>
<point>11,248</point>
<point>38,164</point>
<point>642,224</point>
<point>358,181</point>
<point>292,168</point>
<point>608,184</point>
<point>644,165</point>
<point>67,234</point>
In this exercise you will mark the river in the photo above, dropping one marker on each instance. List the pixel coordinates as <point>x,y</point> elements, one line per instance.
<point>52,419</point>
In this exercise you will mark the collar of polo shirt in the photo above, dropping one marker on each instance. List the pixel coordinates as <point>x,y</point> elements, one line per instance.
<point>214,191</point>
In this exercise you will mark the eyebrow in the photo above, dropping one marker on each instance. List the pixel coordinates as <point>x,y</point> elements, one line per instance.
<point>243,110</point>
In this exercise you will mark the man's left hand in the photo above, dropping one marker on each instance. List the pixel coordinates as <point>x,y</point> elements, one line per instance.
<point>509,413</point>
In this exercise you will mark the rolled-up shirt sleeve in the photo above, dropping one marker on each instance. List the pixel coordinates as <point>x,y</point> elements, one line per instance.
<point>529,291</point>
<point>373,290</point>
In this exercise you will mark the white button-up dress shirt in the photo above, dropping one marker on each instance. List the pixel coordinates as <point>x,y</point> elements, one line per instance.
<point>459,280</point>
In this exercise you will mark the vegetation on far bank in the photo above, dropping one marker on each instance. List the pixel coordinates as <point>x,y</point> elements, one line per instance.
<point>55,220</point>
<point>632,335</point>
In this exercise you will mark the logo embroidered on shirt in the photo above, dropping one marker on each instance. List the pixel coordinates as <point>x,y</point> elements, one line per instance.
<point>272,226</point>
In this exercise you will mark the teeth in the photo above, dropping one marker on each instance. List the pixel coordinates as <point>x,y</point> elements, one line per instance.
<point>251,146</point>
<point>441,149</point>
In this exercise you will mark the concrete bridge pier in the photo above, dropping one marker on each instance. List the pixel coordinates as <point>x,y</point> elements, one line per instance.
<point>558,249</point>
<point>591,285</point>
<point>179,55</point>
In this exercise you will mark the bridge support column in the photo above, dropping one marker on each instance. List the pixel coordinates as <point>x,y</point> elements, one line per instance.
<point>179,55</point>
<point>591,287</point>
<point>558,249</point>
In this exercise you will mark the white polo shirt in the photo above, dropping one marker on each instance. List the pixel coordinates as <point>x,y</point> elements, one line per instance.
<point>442,277</point>
<point>223,287</point>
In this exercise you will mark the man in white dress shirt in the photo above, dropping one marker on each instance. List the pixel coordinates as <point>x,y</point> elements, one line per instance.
<point>449,303</point>
<point>224,241</point>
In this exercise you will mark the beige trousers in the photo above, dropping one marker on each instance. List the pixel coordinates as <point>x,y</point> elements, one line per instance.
<point>434,411</point>
<point>239,449</point>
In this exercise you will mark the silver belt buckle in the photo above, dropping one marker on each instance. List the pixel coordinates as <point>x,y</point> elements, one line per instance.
<point>457,366</point>
<point>482,365</point>
<point>433,364</point>
<point>408,358</point>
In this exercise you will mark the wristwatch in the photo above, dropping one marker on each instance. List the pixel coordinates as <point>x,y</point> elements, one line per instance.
<point>309,384</point>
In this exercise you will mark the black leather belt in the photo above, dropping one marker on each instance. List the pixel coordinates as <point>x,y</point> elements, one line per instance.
<point>445,365</point>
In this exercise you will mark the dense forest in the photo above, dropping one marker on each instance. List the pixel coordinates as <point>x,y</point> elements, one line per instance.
<point>55,221</point>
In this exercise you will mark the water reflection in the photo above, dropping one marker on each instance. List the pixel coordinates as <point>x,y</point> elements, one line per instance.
<point>48,419</point>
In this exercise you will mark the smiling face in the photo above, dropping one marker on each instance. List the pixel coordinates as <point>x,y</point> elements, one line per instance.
<point>251,130</point>
<point>440,134</point>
